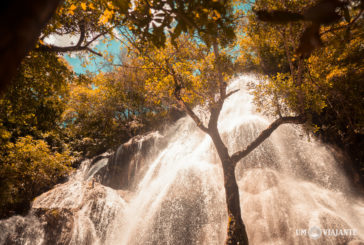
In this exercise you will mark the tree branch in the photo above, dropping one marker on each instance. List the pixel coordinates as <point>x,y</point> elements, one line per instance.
<point>194,117</point>
<point>216,107</point>
<point>82,33</point>
<point>137,67</point>
<point>288,56</point>
<point>139,49</point>
<point>77,47</point>
<point>344,26</point>
<point>181,102</point>
<point>51,48</point>
<point>231,93</point>
<point>222,84</point>
<point>237,156</point>
<point>93,51</point>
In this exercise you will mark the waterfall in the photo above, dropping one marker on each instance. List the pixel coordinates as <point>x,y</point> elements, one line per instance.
<point>167,188</point>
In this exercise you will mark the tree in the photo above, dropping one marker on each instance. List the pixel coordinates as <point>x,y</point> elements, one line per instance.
<point>35,100</point>
<point>38,93</point>
<point>33,152</point>
<point>326,83</point>
<point>192,73</point>
<point>110,108</point>
<point>21,24</point>
<point>91,20</point>
<point>29,168</point>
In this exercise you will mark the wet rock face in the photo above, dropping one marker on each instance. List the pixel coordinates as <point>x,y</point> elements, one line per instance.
<point>19,233</point>
<point>58,224</point>
<point>42,226</point>
<point>127,161</point>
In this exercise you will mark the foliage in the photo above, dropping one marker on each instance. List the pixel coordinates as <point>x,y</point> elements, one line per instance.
<point>321,13</point>
<point>150,20</point>
<point>29,168</point>
<point>34,102</point>
<point>194,66</point>
<point>85,20</point>
<point>326,86</point>
<point>33,154</point>
<point>110,108</point>
<point>46,103</point>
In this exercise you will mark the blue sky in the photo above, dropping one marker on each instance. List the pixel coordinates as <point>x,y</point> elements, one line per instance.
<point>96,65</point>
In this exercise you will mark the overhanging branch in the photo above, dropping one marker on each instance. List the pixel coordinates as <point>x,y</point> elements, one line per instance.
<point>77,47</point>
<point>231,93</point>
<point>237,156</point>
<point>52,48</point>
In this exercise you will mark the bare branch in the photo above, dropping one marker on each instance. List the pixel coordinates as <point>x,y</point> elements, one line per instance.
<point>222,84</point>
<point>181,102</point>
<point>82,33</point>
<point>135,45</point>
<point>215,108</point>
<point>231,93</point>
<point>348,26</point>
<point>97,36</point>
<point>237,156</point>
<point>93,51</point>
<point>194,117</point>
<point>52,48</point>
<point>78,46</point>
<point>137,67</point>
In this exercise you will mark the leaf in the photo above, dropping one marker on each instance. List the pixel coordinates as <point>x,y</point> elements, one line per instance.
<point>71,8</point>
<point>83,6</point>
<point>106,16</point>
<point>216,15</point>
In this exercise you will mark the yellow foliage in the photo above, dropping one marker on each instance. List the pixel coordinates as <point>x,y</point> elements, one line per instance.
<point>71,9</point>
<point>216,15</point>
<point>83,6</point>
<point>30,167</point>
<point>106,16</point>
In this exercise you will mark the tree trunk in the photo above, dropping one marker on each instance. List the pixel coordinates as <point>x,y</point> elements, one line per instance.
<point>236,233</point>
<point>21,22</point>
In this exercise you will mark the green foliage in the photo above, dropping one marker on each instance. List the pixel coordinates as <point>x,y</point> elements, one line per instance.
<point>29,168</point>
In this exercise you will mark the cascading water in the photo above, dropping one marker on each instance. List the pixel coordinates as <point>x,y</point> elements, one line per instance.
<point>172,191</point>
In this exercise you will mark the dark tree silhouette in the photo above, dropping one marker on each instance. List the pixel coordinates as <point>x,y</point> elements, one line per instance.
<point>21,22</point>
